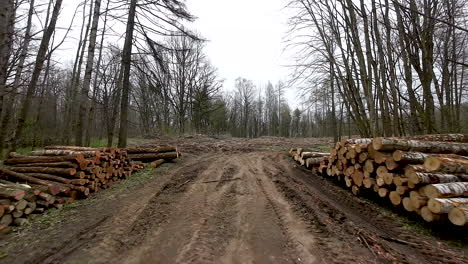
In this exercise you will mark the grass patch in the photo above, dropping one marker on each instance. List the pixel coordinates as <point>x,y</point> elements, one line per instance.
<point>274,148</point>
<point>324,148</point>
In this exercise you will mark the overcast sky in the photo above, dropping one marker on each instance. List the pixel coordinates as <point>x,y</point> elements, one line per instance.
<point>245,38</point>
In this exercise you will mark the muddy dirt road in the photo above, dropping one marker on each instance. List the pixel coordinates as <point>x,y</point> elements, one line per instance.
<point>217,207</point>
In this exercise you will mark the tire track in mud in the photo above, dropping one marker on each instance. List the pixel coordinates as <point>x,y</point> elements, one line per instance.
<point>209,242</point>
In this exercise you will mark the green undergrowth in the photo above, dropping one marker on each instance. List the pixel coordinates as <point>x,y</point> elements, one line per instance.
<point>324,148</point>
<point>274,148</point>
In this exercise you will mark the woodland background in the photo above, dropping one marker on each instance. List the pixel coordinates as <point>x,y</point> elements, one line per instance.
<point>367,67</point>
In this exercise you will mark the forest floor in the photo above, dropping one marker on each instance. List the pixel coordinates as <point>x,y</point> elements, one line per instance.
<point>231,201</point>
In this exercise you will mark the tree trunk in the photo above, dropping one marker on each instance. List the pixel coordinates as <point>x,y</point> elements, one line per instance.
<point>41,56</point>
<point>126,65</point>
<point>17,80</point>
<point>87,78</point>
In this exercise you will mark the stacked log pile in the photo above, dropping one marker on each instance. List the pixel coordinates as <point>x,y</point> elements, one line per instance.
<point>31,184</point>
<point>153,156</point>
<point>426,175</point>
<point>315,161</point>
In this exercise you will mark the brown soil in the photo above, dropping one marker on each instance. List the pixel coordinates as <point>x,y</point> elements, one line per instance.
<point>231,201</point>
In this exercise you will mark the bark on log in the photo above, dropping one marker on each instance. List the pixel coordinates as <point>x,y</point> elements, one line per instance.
<point>310,162</point>
<point>54,188</point>
<point>162,150</point>
<point>409,169</point>
<point>392,144</point>
<point>58,152</point>
<point>447,190</point>
<point>446,164</point>
<point>410,157</point>
<point>46,170</point>
<point>57,178</point>
<point>443,137</point>
<point>459,216</point>
<point>42,159</point>
<point>64,164</point>
<point>306,155</point>
<point>13,194</point>
<point>443,206</point>
<point>156,156</point>
<point>157,163</point>
<point>74,148</point>
<point>433,178</point>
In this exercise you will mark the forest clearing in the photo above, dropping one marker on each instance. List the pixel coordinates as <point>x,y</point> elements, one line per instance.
<point>232,200</point>
<point>217,131</point>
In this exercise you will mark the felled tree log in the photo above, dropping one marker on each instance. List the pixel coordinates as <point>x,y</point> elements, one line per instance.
<point>10,193</point>
<point>443,137</point>
<point>418,200</point>
<point>157,163</point>
<point>447,164</point>
<point>64,164</point>
<point>154,156</point>
<point>381,157</point>
<point>306,155</point>
<point>429,216</point>
<point>443,206</point>
<point>6,220</point>
<point>161,149</point>
<point>409,169</point>
<point>459,216</point>
<point>395,198</point>
<point>74,148</point>
<point>407,204</point>
<point>410,157</point>
<point>313,162</point>
<point>59,152</point>
<point>57,178</point>
<point>54,188</point>
<point>392,144</point>
<point>447,190</point>
<point>56,171</point>
<point>433,178</point>
<point>43,159</point>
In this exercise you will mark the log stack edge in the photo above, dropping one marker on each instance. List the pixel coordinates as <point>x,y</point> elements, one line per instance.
<point>426,175</point>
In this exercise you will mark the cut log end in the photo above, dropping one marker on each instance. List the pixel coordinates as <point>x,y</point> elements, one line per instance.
<point>459,216</point>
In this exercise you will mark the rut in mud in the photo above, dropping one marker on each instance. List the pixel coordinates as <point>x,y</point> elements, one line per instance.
<point>232,208</point>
